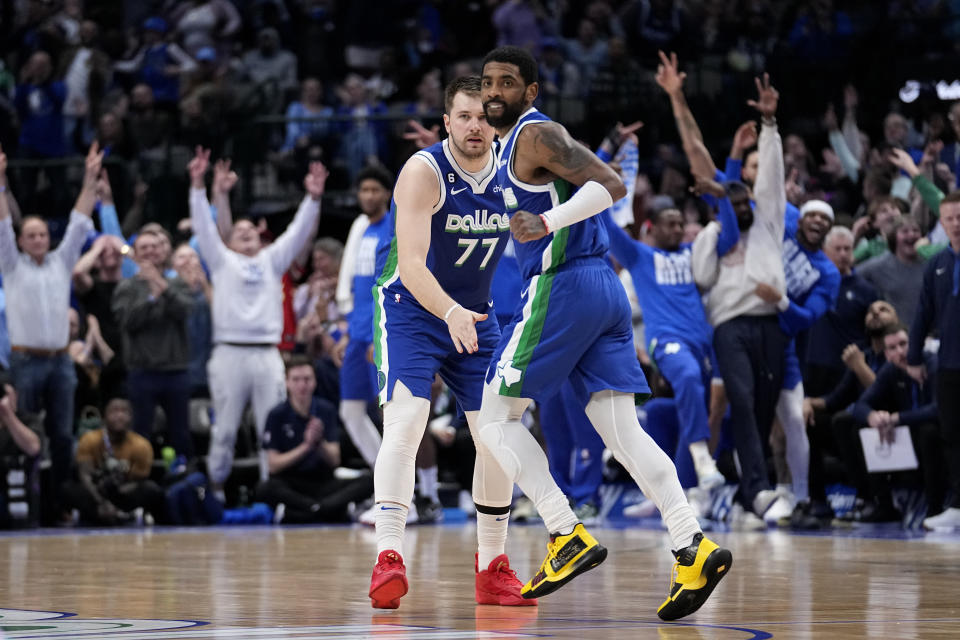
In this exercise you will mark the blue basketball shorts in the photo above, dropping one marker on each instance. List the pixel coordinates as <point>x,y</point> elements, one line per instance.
<point>413,345</point>
<point>575,323</point>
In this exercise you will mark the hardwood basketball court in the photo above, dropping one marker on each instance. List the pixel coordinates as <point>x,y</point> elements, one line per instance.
<point>311,582</point>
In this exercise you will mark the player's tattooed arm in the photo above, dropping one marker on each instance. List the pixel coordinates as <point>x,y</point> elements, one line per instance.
<point>548,146</point>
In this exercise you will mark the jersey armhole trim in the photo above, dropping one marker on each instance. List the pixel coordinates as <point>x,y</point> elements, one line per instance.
<point>536,188</point>
<point>431,162</point>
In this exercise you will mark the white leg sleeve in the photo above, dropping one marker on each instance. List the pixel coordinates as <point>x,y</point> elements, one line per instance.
<point>363,433</point>
<point>614,416</point>
<point>491,486</point>
<point>522,459</point>
<point>790,413</point>
<point>493,492</point>
<point>404,421</point>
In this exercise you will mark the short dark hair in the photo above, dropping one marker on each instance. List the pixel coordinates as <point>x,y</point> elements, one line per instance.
<point>735,187</point>
<point>895,327</point>
<point>515,55</point>
<point>157,228</point>
<point>298,360</point>
<point>375,173</point>
<point>659,213</point>
<point>469,85</point>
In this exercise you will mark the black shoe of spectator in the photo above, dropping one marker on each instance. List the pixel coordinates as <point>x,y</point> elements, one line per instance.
<point>428,511</point>
<point>803,518</point>
<point>876,512</point>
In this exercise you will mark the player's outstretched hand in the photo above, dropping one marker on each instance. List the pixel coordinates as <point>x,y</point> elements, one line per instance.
<point>198,166</point>
<point>316,180</point>
<point>527,227</point>
<point>463,331</point>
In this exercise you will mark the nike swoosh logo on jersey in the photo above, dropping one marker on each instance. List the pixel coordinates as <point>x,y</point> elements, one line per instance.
<point>454,192</point>
<point>490,303</point>
<point>523,294</point>
<point>941,271</point>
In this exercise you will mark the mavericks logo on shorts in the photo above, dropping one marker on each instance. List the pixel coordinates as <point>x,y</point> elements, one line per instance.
<point>381,380</point>
<point>508,373</point>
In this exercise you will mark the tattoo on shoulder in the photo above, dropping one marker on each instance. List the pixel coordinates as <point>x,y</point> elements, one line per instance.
<point>553,143</point>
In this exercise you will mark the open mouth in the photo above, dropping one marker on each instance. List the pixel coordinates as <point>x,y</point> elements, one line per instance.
<point>494,106</point>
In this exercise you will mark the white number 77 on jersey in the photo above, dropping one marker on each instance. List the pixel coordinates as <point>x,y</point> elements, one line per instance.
<point>470,244</point>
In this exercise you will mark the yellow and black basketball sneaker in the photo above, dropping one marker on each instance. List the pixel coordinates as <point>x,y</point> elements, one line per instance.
<point>696,572</point>
<point>567,557</point>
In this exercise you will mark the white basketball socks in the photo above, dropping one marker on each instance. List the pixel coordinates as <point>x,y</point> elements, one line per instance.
<point>391,519</point>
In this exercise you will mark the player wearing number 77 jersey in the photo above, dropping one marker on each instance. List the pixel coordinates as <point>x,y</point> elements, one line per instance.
<point>433,315</point>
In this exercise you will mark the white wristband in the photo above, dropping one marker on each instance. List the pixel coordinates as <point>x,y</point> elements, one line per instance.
<point>784,303</point>
<point>446,316</point>
<point>589,200</point>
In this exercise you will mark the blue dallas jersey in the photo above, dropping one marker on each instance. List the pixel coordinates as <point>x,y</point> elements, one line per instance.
<point>584,239</point>
<point>360,320</point>
<point>468,233</point>
<point>812,280</point>
<point>664,284</point>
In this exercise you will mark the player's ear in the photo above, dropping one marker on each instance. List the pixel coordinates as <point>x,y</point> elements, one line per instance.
<point>446,123</point>
<point>531,92</point>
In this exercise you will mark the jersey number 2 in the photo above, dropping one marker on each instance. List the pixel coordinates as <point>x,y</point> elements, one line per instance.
<point>469,244</point>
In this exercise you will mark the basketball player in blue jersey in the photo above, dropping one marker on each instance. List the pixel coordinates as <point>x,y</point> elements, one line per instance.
<point>358,376</point>
<point>681,339</point>
<point>573,321</point>
<point>433,315</point>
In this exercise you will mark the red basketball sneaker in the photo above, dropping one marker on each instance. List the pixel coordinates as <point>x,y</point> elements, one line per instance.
<point>389,581</point>
<point>498,584</point>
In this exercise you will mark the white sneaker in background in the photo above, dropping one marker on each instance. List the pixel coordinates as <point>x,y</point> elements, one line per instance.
<point>946,520</point>
<point>711,481</point>
<point>523,510</point>
<point>699,500</point>
<point>643,509</point>
<point>780,509</point>
<point>739,519</point>
<point>465,503</point>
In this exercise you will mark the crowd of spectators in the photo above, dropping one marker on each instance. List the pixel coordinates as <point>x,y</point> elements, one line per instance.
<point>125,306</point>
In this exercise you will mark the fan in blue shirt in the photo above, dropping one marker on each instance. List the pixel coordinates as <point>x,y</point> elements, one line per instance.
<point>679,335</point>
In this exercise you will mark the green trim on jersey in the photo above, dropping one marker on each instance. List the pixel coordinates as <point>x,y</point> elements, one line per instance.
<point>390,273</point>
<point>532,324</point>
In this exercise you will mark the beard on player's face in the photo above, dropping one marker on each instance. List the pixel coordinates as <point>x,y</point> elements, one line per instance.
<point>506,116</point>
<point>463,147</point>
